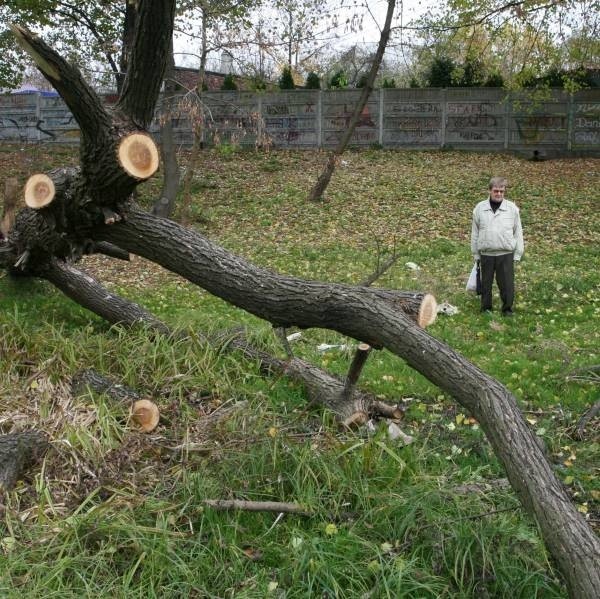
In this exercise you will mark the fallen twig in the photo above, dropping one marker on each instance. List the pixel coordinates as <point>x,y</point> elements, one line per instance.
<point>257,506</point>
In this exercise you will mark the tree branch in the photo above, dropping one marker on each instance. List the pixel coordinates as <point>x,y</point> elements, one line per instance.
<point>148,59</point>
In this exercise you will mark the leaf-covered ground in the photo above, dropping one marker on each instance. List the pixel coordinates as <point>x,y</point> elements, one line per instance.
<point>116,513</point>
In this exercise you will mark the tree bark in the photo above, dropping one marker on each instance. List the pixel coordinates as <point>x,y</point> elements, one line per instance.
<point>321,185</point>
<point>19,451</point>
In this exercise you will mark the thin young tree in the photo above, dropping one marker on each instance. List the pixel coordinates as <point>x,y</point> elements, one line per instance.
<point>320,186</point>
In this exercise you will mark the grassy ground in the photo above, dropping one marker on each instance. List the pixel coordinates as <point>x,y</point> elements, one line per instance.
<point>113,512</point>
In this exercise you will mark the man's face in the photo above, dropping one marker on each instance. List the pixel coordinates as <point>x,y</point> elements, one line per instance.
<point>497,193</point>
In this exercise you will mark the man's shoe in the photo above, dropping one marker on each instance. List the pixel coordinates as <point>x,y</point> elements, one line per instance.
<point>508,313</point>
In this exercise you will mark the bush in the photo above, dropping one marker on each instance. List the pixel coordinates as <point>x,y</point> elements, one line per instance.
<point>229,83</point>
<point>388,83</point>
<point>258,84</point>
<point>362,81</point>
<point>494,80</point>
<point>473,73</point>
<point>339,81</point>
<point>440,72</point>
<point>286,81</point>
<point>313,81</point>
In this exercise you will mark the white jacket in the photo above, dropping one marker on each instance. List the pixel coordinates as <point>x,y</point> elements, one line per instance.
<point>496,233</point>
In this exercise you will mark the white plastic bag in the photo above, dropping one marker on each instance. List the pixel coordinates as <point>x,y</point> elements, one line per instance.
<point>472,282</point>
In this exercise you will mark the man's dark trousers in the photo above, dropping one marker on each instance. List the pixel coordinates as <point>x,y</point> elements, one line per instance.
<point>503,267</point>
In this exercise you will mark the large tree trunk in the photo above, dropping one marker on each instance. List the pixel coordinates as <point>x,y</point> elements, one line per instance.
<point>93,203</point>
<point>323,181</point>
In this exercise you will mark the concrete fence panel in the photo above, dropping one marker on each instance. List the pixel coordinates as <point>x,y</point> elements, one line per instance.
<point>552,122</point>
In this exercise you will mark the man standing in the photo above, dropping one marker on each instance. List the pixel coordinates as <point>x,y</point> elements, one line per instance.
<point>497,242</point>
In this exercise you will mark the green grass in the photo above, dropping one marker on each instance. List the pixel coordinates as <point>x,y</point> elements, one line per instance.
<point>114,513</point>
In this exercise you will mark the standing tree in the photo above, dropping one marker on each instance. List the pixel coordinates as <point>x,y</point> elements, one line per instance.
<point>97,31</point>
<point>71,210</point>
<point>321,185</point>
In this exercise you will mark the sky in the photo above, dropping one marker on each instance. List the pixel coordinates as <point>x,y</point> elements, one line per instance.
<point>364,31</point>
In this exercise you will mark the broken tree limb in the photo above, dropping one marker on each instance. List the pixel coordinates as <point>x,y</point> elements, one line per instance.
<point>360,313</point>
<point>143,412</point>
<point>322,388</point>
<point>257,506</point>
<point>87,292</point>
<point>19,451</point>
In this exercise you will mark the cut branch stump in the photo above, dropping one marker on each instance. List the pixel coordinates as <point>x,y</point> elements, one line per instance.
<point>143,412</point>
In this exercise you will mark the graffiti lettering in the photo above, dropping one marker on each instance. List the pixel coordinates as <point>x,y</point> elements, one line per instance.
<point>467,135</point>
<point>587,137</point>
<point>469,108</point>
<point>412,123</point>
<point>587,108</point>
<point>278,109</point>
<point>416,107</point>
<point>584,123</point>
<point>475,120</point>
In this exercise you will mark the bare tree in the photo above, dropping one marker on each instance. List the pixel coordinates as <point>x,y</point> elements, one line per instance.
<point>321,185</point>
<point>71,209</point>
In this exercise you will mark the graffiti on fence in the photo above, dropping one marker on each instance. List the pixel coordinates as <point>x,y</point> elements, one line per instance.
<point>422,107</point>
<point>474,135</point>
<point>540,128</point>
<point>417,137</point>
<point>474,120</point>
<point>465,108</point>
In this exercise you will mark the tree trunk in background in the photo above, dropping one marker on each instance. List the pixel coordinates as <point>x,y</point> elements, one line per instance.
<point>321,185</point>
<point>127,37</point>
<point>198,118</point>
<point>165,204</point>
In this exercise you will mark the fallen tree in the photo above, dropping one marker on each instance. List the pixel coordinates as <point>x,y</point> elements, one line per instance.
<point>92,204</point>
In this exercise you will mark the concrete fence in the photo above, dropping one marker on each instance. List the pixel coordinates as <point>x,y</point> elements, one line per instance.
<point>551,124</point>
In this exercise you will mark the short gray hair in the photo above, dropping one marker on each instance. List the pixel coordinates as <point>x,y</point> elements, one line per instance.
<point>498,182</point>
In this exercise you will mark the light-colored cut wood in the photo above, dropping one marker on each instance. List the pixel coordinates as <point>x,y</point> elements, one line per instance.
<point>11,187</point>
<point>145,414</point>
<point>138,155</point>
<point>427,311</point>
<point>39,191</point>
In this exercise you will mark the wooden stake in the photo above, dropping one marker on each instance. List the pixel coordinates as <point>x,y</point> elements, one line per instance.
<point>39,191</point>
<point>145,414</point>
<point>360,357</point>
<point>138,155</point>
<point>11,186</point>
